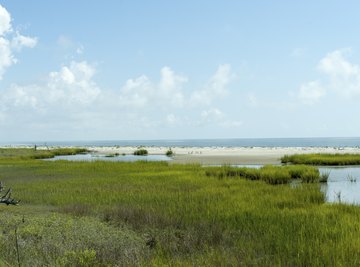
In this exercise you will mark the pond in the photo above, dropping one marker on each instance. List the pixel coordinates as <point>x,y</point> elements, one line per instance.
<point>343,184</point>
<point>123,158</point>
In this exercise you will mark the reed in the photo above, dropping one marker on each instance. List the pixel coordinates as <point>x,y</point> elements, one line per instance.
<point>270,174</point>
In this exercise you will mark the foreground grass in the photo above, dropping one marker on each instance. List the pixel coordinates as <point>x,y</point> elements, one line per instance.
<point>154,214</point>
<point>322,159</point>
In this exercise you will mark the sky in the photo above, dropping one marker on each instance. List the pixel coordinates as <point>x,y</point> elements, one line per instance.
<point>142,70</point>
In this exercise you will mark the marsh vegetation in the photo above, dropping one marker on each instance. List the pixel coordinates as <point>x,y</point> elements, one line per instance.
<point>141,152</point>
<point>155,214</point>
<point>322,159</point>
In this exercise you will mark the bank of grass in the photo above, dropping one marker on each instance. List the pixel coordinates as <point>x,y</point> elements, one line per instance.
<point>270,174</point>
<point>31,153</point>
<point>156,214</point>
<point>322,159</point>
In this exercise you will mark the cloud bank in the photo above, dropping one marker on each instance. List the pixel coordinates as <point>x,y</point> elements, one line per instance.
<point>10,41</point>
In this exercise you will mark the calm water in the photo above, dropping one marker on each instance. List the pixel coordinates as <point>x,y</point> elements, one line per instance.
<point>343,184</point>
<point>238,142</point>
<point>125,158</point>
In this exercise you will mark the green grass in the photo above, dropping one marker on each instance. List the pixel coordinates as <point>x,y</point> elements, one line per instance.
<point>30,153</point>
<point>159,214</point>
<point>322,159</point>
<point>270,174</point>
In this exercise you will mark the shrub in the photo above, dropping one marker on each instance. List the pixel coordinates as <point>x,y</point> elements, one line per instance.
<point>141,152</point>
<point>169,153</point>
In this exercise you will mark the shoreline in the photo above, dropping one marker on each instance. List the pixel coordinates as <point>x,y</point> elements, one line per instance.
<point>215,155</point>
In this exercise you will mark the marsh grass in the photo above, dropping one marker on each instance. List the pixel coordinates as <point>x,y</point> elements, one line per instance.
<point>160,214</point>
<point>324,177</point>
<point>268,173</point>
<point>322,159</point>
<point>30,153</point>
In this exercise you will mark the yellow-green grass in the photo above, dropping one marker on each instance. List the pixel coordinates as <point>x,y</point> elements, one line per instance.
<point>268,173</point>
<point>31,153</point>
<point>156,214</point>
<point>322,159</point>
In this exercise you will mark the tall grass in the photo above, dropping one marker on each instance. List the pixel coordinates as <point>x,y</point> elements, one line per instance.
<point>30,153</point>
<point>270,174</point>
<point>156,214</point>
<point>322,159</point>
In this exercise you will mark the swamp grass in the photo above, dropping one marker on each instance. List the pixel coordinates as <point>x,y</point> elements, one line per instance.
<point>322,159</point>
<point>159,214</point>
<point>270,174</point>
<point>30,153</point>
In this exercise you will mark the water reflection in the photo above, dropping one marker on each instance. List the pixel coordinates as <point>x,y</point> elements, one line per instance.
<point>343,184</point>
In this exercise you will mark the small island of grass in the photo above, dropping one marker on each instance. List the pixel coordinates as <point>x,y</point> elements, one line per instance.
<point>322,159</point>
<point>141,152</point>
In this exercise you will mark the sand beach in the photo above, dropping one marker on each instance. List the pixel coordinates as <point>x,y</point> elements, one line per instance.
<point>227,155</point>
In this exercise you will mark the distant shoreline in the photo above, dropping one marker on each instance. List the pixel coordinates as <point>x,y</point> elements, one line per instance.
<point>216,155</point>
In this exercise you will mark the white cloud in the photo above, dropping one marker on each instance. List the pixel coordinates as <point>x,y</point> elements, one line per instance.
<point>216,87</point>
<point>335,65</point>
<point>69,89</point>
<point>70,100</point>
<point>216,117</point>
<point>10,41</point>
<point>141,91</point>
<point>339,76</point>
<point>5,21</point>
<point>20,41</point>
<point>212,115</point>
<point>311,92</point>
<point>6,57</point>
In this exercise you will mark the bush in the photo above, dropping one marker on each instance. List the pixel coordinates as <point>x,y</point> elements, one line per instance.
<point>141,152</point>
<point>169,153</point>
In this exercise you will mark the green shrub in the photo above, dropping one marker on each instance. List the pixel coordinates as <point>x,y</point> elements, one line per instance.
<point>141,152</point>
<point>169,153</point>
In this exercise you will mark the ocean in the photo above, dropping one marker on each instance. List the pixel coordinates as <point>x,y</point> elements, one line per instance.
<point>236,142</point>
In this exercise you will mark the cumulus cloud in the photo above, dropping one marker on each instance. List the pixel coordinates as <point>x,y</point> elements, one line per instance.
<point>216,87</point>
<point>311,92</point>
<point>215,116</point>
<point>212,115</point>
<point>141,91</point>
<point>339,76</point>
<point>69,98</point>
<point>5,21</point>
<point>10,41</point>
<point>20,41</point>
<point>72,86</point>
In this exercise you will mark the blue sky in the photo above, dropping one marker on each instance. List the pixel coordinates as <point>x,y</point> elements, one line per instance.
<point>85,70</point>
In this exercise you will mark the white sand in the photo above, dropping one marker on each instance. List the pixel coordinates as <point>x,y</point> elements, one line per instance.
<point>223,155</point>
<point>227,155</point>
